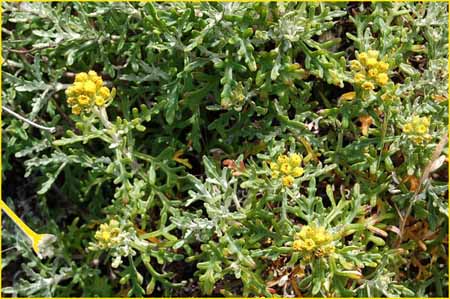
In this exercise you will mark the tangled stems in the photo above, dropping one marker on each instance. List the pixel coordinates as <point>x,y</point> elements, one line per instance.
<point>120,147</point>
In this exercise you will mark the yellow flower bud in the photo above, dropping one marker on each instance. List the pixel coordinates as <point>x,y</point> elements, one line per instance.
<point>273,166</point>
<point>77,88</point>
<point>368,85</point>
<point>104,92</point>
<point>90,88</point>
<point>371,62</point>
<point>407,128</point>
<point>71,101</point>
<point>382,66</point>
<point>306,232</point>
<point>282,159</point>
<point>417,139</point>
<point>373,72</point>
<point>298,245</point>
<point>295,159</point>
<point>92,74</point>
<point>99,101</point>
<point>355,65</point>
<point>275,174</point>
<point>70,91</point>
<point>362,57</point>
<point>81,77</point>
<point>359,77</point>
<point>106,235</point>
<point>98,82</point>
<point>83,100</point>
<point>285,168</point>
<point>382,79</point>
<point>297,171</point>
<point>309,244</point>
<point>76,110</point>
<point>288,181</point>
<point>421,129</point>
<point>321,235</point>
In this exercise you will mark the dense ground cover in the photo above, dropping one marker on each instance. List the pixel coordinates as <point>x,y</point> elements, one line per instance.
<point>226,149</point>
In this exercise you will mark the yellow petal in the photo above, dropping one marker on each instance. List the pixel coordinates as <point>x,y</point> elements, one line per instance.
<point>185,162</point>
<point>366,122</point>
<point>348,96</point>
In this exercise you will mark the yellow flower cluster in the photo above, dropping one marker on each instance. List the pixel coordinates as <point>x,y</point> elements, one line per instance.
<point>288,167</point>
<point>417,129</point>
<point>86,91</point>
<point>313,241</point>
<point>369,71</point>
<point>109,234</point>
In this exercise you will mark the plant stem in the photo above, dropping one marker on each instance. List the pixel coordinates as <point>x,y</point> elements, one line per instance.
<point>50,129</point>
